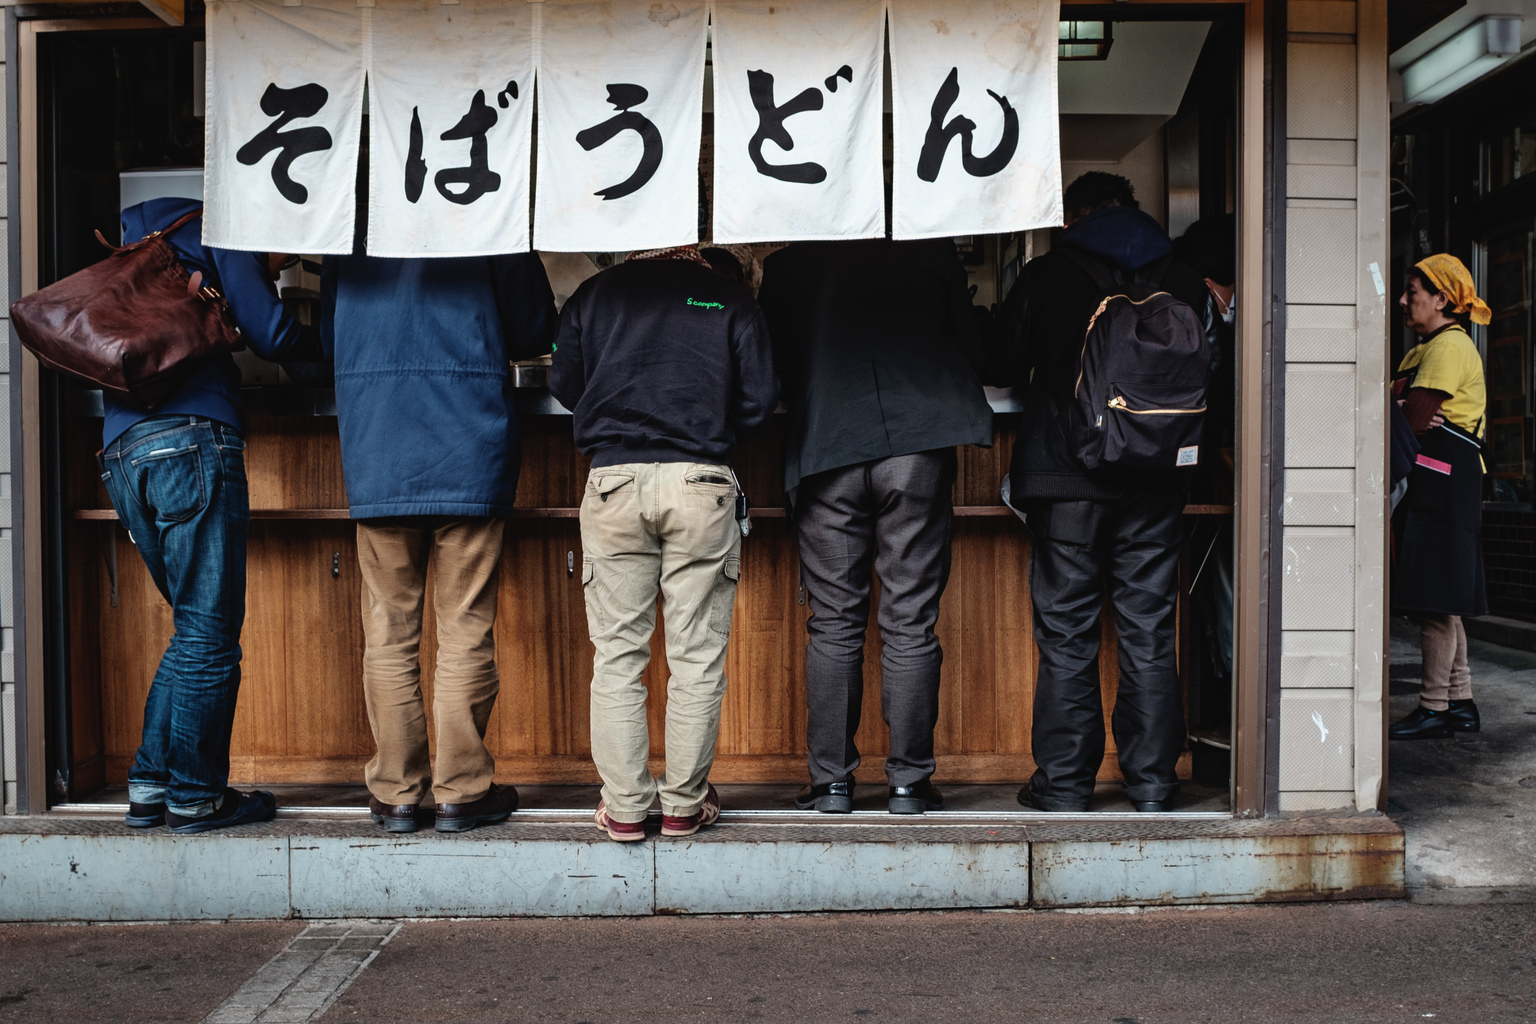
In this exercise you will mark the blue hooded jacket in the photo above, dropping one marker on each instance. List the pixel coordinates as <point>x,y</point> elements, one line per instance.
<point>424,392</point>
<point>269,329</point>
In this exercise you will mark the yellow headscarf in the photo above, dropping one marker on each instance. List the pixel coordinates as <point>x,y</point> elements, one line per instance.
<point>1448,274</point>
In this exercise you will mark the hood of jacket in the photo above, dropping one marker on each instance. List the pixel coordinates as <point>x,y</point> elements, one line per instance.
<point>1123,234</point>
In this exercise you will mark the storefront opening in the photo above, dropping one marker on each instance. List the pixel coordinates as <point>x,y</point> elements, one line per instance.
<point>120,115</point>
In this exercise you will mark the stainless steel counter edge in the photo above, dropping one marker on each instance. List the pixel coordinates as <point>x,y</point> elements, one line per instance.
<point>302,401</point>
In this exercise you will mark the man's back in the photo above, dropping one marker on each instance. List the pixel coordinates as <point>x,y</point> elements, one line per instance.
<point>211,390</point>
<point>876,344</point>
<point>662,360</point>
<point>422,379</point>
<point>1038,340</point>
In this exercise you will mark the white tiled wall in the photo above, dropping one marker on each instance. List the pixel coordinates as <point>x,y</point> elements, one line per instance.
<point>1317,663</point>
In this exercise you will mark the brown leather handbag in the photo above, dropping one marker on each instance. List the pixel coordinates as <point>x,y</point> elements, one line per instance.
<point>136,324</point>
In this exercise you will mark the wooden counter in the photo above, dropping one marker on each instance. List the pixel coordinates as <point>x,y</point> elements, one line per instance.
<point>301,714</point>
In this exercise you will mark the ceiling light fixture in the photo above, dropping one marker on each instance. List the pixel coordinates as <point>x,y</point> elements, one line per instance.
<point>1465,56</point>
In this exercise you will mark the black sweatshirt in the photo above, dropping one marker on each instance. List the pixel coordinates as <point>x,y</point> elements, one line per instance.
<point>662,361</point>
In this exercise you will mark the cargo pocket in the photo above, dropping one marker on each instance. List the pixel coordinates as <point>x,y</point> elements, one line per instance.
<point>173,482</point>
<point>595,617</point>
<point>723,601</point>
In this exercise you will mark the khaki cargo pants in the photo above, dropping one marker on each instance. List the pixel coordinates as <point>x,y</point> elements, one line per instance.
<point>667,527</point>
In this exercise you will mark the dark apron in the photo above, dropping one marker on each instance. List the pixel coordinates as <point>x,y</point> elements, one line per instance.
<point>1438,528</point>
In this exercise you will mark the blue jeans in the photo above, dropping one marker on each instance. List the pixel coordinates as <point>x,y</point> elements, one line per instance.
<point>178,484</point>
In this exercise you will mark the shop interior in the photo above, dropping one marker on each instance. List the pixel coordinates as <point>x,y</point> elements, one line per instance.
<point>1154,99</point>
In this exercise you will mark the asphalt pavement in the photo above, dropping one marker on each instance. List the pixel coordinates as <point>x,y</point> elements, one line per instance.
<point>1358,963</point>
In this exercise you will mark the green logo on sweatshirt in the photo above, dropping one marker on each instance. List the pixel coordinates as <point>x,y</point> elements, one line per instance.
<point>706,305</point>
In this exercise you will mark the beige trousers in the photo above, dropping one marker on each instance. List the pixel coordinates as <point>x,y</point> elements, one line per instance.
<point>392,554</point>
<point>1446,675</point>
<point>667,527</point>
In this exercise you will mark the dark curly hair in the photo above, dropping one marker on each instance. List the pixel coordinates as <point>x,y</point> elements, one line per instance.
<point>1095,190</point>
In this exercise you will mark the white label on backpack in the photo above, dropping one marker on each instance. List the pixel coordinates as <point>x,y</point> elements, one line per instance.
<point>1189,456</point>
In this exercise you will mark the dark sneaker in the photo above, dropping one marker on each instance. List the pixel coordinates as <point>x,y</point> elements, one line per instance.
<point>618,831</point>
<point>145,815</point>
<point>828,798</point>
<point>393,817</point>
<point>708,813</point>
<point>237,809</point>
<point>915,799</point>
<point>1463,716</point>
<point>497,805</point>
<point>1423,724</point>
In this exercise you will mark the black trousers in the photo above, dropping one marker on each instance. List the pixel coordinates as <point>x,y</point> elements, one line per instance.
<point>1133,543</point>
<point>891,516</point>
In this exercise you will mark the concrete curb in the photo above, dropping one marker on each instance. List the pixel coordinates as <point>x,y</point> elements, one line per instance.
<point>73,869</point>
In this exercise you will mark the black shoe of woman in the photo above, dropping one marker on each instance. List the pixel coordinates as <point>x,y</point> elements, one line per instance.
<point>1464,716</point>
<point>1423,724</point>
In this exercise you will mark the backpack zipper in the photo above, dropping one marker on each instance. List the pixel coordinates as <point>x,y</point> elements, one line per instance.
<point>1119,403</point>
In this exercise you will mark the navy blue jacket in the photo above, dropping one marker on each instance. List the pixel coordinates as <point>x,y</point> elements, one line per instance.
<point>269,329</point>
<point>423,387</point>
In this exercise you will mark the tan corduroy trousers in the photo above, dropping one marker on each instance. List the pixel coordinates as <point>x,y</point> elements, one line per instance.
<point>393,556</point>
<point>649,528</point>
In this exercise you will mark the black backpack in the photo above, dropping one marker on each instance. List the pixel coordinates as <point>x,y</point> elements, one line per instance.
<point>1138,404</point>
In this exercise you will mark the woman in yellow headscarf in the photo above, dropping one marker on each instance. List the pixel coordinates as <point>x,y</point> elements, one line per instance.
<point>1439,573</point>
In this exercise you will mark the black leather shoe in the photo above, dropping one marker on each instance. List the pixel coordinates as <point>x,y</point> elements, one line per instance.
<point>497,805</point>
<point>828,798</point>
<point>1423,724</point>
<point>1150,806</point>
<point>392,817</point>
<point>1027,798</point>
<point>924,796</point>
<point>144,815</point>
<point>1463,716</point>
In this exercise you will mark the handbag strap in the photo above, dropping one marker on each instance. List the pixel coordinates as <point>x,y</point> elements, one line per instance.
<point>165,232</point>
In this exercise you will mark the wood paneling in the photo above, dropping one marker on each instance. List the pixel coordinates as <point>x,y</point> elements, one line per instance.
<point>301,714</point>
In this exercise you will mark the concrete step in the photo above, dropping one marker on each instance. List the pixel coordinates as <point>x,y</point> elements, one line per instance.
<point>75,868</point>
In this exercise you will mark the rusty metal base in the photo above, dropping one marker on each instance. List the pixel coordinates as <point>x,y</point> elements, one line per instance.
<point>63,868</point>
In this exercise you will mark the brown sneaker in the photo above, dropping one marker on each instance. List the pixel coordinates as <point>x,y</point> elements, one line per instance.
<point>618,831</point>
<point>707,814</point>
